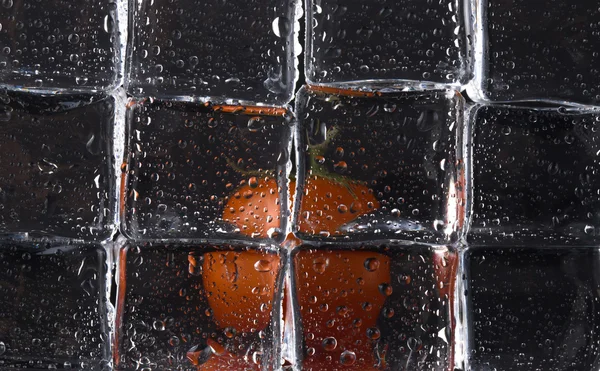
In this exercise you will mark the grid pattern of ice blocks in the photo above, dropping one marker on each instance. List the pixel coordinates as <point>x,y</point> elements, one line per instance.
<point>376,306</point>
<point>537,50</point>
<point>361,42</point>
<point>198,307</point>
<point>536,175</point>
<point>225,50</point>
<point>392,226</point>
<point>533,308</point>
<point>380,166</point>
<point>196,170</point>
<point>53,306</point>
<point>60,45</point>
<point>56,165</point>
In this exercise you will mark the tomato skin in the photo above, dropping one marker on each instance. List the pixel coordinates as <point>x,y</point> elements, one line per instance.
<point>240,287</point>
<point>340,297</point>
<point>327,204</point>
<point>254,208</point>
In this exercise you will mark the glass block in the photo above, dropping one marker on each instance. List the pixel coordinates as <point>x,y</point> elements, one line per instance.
<point>64,45</point>
<point>379,306</point>
<point>533,308</point>
<point>536,175</point>
<point>413,42</point>
<point>198,307</point>
<point>54,306</point>
<point>380,165</point>
<point>537,51</point>
<point>197,170</point>
<point>240,50</point>
<point>57,172</point>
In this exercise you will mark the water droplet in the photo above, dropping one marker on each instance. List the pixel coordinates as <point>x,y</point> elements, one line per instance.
<point>159,325</point>
<point>373,333</point>
<point>263,266</point>
<point>229,332</point>
<point>342,310</point>
<point>109,24</point>
<point>174,341</point>
<point>388,312</point>
<point>340,167</point>
<point>320,264</point>
<point>329,344</point>
<point>73,38</point>
<point>81,80</point>
<point>282,27</point>
<point>386,289</point>
<point>371,264</point>
<point>347,358</point>
<point>342,209</point>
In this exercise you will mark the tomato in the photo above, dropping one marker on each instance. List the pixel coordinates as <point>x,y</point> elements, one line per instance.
<point>340,294</point>
<point>254,207</point>
<point>240,287</point>
<point>327,204</point>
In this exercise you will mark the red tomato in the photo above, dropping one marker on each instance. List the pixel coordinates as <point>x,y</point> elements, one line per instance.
<point>254,207</point>
<point>240,288</point>
<point>327,204</point>
<point>341,294</point>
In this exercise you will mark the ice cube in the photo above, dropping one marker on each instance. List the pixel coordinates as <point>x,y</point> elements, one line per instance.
<point>216,49</point>
<point>62,45</point>
<point>537,51</point>
<point>381,305</point>
<point>203,306</point>
<point>54,306</point>
<point>535,175</point>
<point>532,308</point>
<point>198,170</point>
<point>386,165</point>
<point>56,166</point>
<point>407,43</point>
